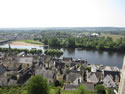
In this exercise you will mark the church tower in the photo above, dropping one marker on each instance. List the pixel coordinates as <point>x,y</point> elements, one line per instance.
<point>10,53</point>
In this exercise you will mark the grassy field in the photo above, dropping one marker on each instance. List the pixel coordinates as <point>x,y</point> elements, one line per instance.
<point>114,37</point>
<point>31,42</point>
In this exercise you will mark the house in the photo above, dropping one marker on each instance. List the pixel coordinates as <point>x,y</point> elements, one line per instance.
<point>93,68</point>
<point>24,76</point>
<point>3,81</point>
<point>99,75</point>
<point>107,68</point>
<point>12,82</point>
<point>67,59</point>
<point>70,87</point>
<point>95,34</point>
<point>115,75</point>
<point>21,54</point>
<point>18,63</point>
<point>24,60</point>
<point>108,82</point>
<point>92,78</point>
<point>89,85</point>
<point>115,69</point>
<point>59,65</point>
<point>74,78</point>
<point>2,56</point>
<point>48,63</point>
<point>48,74</point>
<point>2,70</point>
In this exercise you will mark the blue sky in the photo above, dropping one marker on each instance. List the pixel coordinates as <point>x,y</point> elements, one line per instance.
<point>62,13</point>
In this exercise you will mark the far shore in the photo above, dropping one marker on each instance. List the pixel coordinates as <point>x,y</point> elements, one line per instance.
<point>24,43</point>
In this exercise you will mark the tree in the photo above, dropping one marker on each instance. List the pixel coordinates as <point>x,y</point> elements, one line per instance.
<point>59,83</point>
<point>82,90</point>
<point>54,52</point>
<point>37,85</point>
<point>54,42</point>
<point>109,91</point>
<point>45,41</point>
<point>71,42</point>
<point>100,89</point>
<point>16,90</point>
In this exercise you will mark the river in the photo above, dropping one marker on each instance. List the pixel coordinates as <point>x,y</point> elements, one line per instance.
<point>106,58</point>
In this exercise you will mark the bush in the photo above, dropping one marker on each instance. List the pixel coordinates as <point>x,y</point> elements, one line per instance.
<point>37,85</point>
<point>100,89</point>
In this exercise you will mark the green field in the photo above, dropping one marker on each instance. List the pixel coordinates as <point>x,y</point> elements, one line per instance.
<point>114,37</point>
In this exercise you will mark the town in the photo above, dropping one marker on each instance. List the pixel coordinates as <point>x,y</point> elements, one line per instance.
<point>18,66</point>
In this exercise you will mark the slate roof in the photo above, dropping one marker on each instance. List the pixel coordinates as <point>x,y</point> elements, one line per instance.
<point>112,73</point>
<point>74,71</point>
<point>12,82</point>
<point>89,85</point>
<point>72,77</point>
<point>99,75</point>
<point>25,60</point>
<point>2,69</point>
<point>3,81</point>
<point>67,59</point>
<point>70,86</point>
<point>108,82</point>
<point>93,78</point>
<point>59,65</point>
<point>48,74</point>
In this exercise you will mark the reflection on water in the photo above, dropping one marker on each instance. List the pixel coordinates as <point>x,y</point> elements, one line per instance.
<point>70,51</point>
<point>107,58</point>
<point>92,56</point>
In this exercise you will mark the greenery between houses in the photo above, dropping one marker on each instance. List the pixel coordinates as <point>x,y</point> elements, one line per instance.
<point>38,85</point>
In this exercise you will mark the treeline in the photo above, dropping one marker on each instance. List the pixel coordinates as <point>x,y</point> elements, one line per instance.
<point>15,50</point>
<point>100,43</point>
<point>53,52</point>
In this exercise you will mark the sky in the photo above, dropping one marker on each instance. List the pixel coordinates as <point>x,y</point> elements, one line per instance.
<point>62,13</point>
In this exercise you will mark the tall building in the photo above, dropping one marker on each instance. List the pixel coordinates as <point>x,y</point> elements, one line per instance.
<point>122,81</point>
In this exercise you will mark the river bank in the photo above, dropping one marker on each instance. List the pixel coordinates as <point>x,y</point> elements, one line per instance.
<point>26,43</point>
<point>106,58</point>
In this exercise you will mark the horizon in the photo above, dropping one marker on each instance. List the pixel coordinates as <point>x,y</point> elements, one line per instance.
<point>57,27</point>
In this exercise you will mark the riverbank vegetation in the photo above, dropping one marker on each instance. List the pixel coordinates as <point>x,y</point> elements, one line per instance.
<point>16,51</point>
<point>99,43</point>
<point>107,40</point>
<point>54,52</point>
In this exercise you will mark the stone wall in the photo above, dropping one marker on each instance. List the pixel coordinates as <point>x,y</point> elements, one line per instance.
<point>122,81</point>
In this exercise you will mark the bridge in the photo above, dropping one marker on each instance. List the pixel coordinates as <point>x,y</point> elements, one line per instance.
<point>6,41</point>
